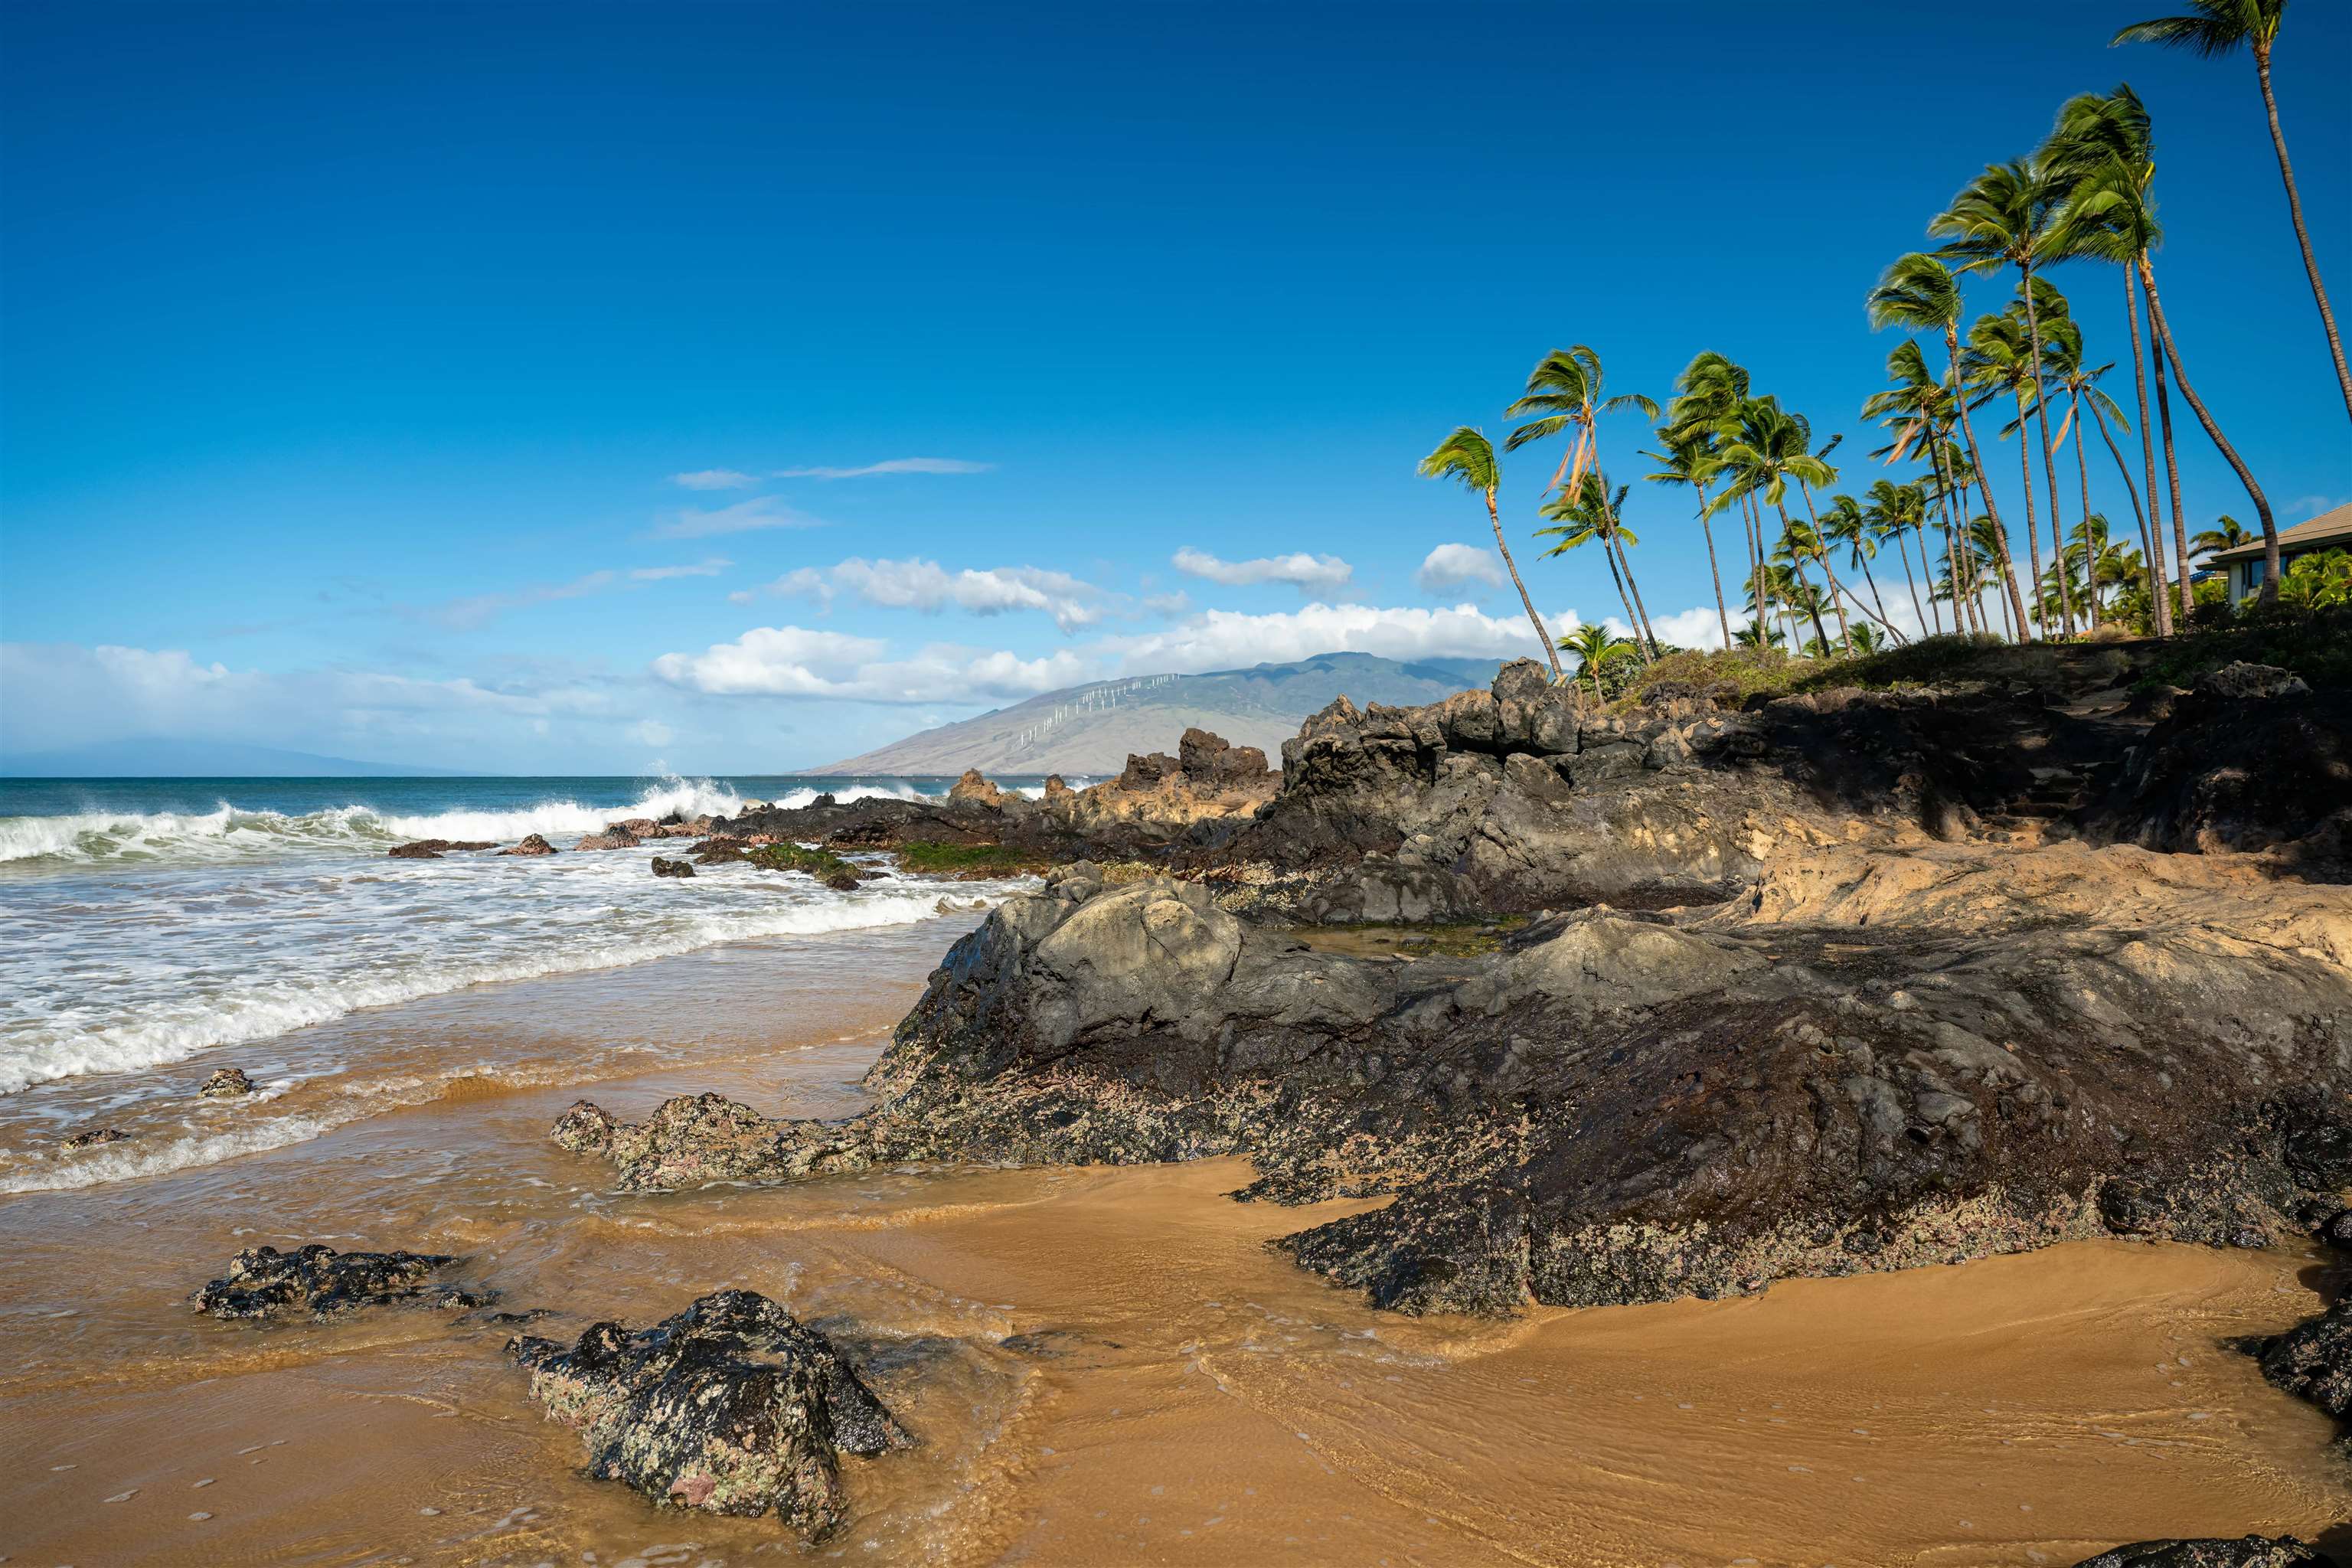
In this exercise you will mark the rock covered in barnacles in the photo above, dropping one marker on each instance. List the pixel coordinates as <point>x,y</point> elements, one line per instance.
<point>731,1407</point>
<point>2248,1552</point>
<point>320,1283</point>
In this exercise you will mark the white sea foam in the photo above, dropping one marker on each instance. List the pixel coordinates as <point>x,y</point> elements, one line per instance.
<point>122,1162</point>
<point>434,934</point>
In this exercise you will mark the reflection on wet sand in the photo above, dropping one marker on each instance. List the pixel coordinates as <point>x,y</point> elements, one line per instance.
<point>1102,1365</point>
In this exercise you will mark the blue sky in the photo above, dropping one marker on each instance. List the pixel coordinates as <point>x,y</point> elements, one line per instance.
<point>351,355</point>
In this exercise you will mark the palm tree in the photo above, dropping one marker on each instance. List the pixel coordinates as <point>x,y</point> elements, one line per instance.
<point>1589,514</point>
<point>2110,196</point>
<point>2218,27</point>
<point>1468,456</point>
<point>1708,396</point>
<point>1564,390</point>
<point>1918,293</point>
<point>2008,216</point>
<point>1594,646</point>
<point>1918,407</point>
<point>1867,640</point>
<point>2106,145</point>
<point>1893,509</point>
<point>2079,381</point>
<point>1689,458</point>
<point>1844,524</point>
<point>2000,360</point>
<point>2227,533</point>
<point>1799,544</point>
<point>1755,633</point>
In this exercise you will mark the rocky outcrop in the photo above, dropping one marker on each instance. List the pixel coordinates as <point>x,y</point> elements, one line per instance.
<point>2314,1360</point>
<point>608,839</point>
<point>322,1284</point>
<point>2248,1552</point>
<point>1872,1059</point>
<point>533,844</point>
<point>434,848</point>
<point>227,1083</point>
<point>94,1137</point>
<point>730,1407</point>
<point>672,867</point>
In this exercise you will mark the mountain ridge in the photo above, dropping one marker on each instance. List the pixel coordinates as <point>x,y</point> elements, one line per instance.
<point>1091,729</point>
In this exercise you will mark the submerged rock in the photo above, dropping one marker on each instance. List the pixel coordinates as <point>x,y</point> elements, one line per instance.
<point>227,1083</point>
<point>2248,1552</point>
<point>608,839</point>
<point>96,1136</point>
<point>434,848</point>
<point>320,1283</point>
<point>585,1128</point>
<point>672,867</point>
<point>533,844</point>
<point>731,1407</point>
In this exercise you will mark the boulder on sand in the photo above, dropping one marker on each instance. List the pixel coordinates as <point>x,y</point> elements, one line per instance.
<point>533,844</point>
<point>320,1283</point>
<point>730,1407</point>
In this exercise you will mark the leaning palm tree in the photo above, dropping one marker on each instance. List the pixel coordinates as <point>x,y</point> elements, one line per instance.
<point>1895,511</point>
<point>1564,393</point>
<point>1918,408</point>
<point>1918,293</point>
<point>2079,382</point>
<point>1999,360</point>
<point>2218,27</point>
<point>1708,396</point>
<point>2008,216</point>
<point>1468,456</point>
<point>1594,646</point>
<point>1690,458</point>
<point>2110,196</point>
<point>1843,523</point>
<point>1587,516</point>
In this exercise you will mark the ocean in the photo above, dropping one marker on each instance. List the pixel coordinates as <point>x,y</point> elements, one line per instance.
<point>155,926</point>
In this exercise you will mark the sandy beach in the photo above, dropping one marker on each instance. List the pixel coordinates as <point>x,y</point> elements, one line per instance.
<point>1100,1364</point>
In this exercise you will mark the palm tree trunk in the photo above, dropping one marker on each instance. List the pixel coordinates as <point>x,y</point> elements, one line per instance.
<point>2033,528</point>
<point>2082,471</point>
<point>1512,567</point>
<point>1903,546</point>
<point>2048,465</point>
<point>1722,614</point>
<point>2302,238</point>
<point>2171,469</point>
<point>1976,461</point>
<point>1944,510</point>
<point>2154,526</point>
<point>1639,608</point>
<point>1755,557</point>
<point>1631,623</point>
<point>2269,593</point>
<point>2152,560</point>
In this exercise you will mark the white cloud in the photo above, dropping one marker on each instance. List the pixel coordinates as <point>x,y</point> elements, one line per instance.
<point>743,516</point>
<point>795,661</point>
<point>890,466</point>
<point>1306,573</point>
<point>480,609</point>
<point>1449,566</point>
<point>714,480</point>
<point>710,567</point>
<point>652,732</point>
<point>926,585</point>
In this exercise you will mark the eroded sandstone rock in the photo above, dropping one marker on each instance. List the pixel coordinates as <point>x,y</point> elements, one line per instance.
<point>730,1407</point>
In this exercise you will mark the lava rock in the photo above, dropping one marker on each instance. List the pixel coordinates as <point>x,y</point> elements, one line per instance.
<point>322,1284</point>
<point>672,867</point>
<point>608,839</point>
<point>434,848</point>
<point>585,1128</point>
<point>2314,1360</point>
<point>730,1407</point>
<point>227,1083</point>
<point>96,1136</point>
<point>2249,1552</point>
<point>533,844</point>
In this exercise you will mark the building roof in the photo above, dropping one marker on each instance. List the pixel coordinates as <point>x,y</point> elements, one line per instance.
<point>2328,528</point>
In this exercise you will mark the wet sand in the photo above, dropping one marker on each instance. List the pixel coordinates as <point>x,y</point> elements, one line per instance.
<point>1105,1366</point>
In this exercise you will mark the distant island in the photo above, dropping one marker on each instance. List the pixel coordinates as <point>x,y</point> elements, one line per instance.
<point>1091,729</point>
<point>165,757</point>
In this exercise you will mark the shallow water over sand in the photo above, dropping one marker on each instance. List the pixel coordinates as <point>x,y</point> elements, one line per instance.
<point>1103,1365</point>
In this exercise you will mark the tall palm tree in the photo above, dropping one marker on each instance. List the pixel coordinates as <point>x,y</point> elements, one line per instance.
<point>1918,407</point>
<point>2000,360</point>
<point>2008,216</point>
<point>1469,457</point>
<point>1594,646</point>
<point>1585,516</point>
<point>2079,382</point>
<point>1689,458</point>
<point>1843,523</point>
<point>2218,27</point>
<point>1708,396</point>
<point>1564,393</point>
<point>2112,168</point>
<point>1894,508</point>
<point>1917,293</point>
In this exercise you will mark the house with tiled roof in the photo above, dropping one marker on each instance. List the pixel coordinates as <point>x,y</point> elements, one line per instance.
<point>2328,531</point>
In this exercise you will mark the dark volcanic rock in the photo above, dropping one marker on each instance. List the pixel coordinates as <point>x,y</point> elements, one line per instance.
<point>320,1283</point>
<point>2314,1360</point>
<point>434,848</point>
<point>2249,1552</point>
<point>227,1083</point>
<point>672,867</point>
<point>533,844</point>
<point>730,1407</point>
<point>96,1136</point>
<point>585,1128</point>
